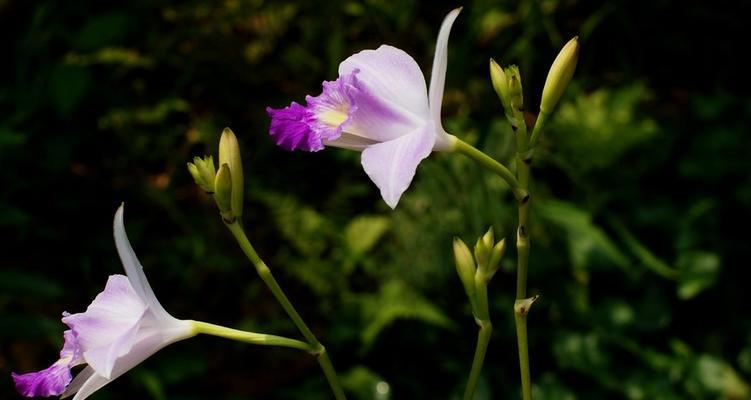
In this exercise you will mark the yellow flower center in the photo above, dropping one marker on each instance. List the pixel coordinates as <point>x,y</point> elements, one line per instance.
<point>334,116</point>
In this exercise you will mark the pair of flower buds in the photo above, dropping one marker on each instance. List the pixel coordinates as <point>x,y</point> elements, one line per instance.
<point>226,184</point>
<point>475,269</point>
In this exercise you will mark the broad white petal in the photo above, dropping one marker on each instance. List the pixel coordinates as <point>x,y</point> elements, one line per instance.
<point>107,330</point>
<point>438,75</point>
<point>134,270</point>
<point>393,77</point>
<point>391,165</point>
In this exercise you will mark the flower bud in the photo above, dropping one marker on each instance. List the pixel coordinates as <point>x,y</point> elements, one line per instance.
<point>495,258</point>
<point>516,100</point>
<point>559,75</point>
<point>203,172</point>
<point>223,192</point>
<point>465,267</point>
<point>483,247</point>
<point>229,153</point>
<point>500,84</point>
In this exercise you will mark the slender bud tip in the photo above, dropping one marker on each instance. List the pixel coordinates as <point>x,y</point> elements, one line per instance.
<point>560,74</point>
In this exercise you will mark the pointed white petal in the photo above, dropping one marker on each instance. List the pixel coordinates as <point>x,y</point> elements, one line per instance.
<point>134,270</point>
<point>438,75</point>
<point>391,165</point>
<point>91,385</point>
<point>77,382</point>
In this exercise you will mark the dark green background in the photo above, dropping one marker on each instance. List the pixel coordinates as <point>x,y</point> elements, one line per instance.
<point>639,221</point>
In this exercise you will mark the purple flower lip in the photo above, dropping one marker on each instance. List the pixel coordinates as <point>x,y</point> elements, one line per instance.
<point>124,325</point>
<point>379,105</point>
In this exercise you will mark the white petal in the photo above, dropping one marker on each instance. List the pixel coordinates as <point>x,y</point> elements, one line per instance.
<point>391,165</point>
<point>78,381</point>
<point>134,270</point>
<point>438,75</point>
<point>393,77</point>
<point>91,385</point>
<point>107,330</point>
<point>148,343</point>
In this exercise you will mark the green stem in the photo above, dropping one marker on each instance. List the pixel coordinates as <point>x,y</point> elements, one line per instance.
<point>523,162</point>
<point>247,337</point>
<point>542,118</point>
<point>483,336</point>
<point>489,163</point>
<point>521,338</point>
<point>265,273</point>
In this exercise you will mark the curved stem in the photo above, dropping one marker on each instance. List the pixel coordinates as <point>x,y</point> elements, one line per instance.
<point>206,328</point>
<point>265,273</point>
<point>489,163</point>
<point>483,337</point>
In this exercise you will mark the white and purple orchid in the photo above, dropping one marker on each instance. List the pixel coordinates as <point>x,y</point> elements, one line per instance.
<point>124,325</point>
<point>378,105</point>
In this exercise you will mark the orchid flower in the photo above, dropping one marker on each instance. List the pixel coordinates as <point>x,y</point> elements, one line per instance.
<point>378,105</point>
<point>124,325</point>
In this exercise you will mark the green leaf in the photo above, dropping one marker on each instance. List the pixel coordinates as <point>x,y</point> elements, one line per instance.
<point>363,232</point>
<point>585,239</point>
<point>396,301</point>
<point>698,271</point>
<point>304,227</point>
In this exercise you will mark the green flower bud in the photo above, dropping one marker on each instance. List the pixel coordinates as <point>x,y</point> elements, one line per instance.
<point>495,258</point>
<point>560,75</point>
<point>465,267</point>
<point>483,247</point>
<point>500,84</point>
<point>203,172</point>
<point>229,153</point>
<point>516,99</point>
<point>223,192</point>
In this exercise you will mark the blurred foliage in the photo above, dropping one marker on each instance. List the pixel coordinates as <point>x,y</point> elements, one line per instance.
<point>642,194</point>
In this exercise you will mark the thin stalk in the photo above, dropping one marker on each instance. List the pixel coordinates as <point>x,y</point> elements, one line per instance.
<point>265,273</point>
<point>523,161</point>
<point>489,163</point>
<point>542,118</point>
<point>483,337</point>
<point>248,337</point>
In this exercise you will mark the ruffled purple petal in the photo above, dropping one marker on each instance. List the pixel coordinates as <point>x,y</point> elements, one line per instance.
<point>320,120</point>
<point>291,128</point>
<point>71,349</point>
<point>51,381</point>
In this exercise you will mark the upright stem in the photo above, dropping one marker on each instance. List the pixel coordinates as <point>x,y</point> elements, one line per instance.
<point>265,273</point>
<point>523,161</point>
<point>483,336</point>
